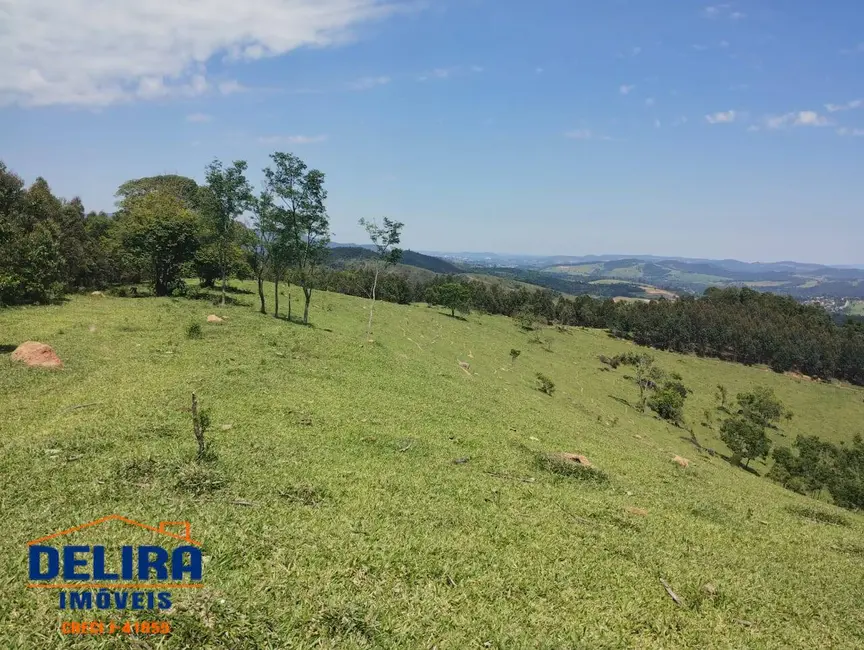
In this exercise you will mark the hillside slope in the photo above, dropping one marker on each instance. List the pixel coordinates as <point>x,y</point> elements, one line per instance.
<point>335,515</point>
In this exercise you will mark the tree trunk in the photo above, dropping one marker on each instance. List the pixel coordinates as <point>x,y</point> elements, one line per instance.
<point>307,294</point>
<point>261,292</point>
<point>372,305</point>
<point>224,280</point>
<point>276,308</point>
<point>452,312</point>
<point>289,303</point>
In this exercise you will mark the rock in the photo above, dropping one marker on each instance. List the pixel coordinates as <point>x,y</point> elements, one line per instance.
<point>35,354</point>
<point>213,318</point>
<point>98,294</point>
<point>578,459</point>
<point>680,460</point>
<point>709,589</point>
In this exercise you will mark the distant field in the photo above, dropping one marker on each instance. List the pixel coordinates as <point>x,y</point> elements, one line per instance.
<point>696,278</point>
<point>580,269</point>
<point>335,513</point>
<point>766,283</point>
<point>856,308</point>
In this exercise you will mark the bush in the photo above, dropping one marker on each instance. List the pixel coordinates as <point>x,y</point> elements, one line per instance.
<point>668,403</point>
<point>514,353</point>
<point>544,384</point>
<point>194,331</point>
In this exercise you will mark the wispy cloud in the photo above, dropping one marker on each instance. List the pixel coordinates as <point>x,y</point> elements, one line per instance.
<point>447,73</point>
<point>67,53</point>
<point>855,133</point>
<point>650,102</point>
<point>626,89</point>
<point>800,118</point>
<point>585,134</point>
<point>722,11</point>
<point>680,121</point>
<point>199,118</point>
<point>291,139</point>
<point>848,106</point>
<point>367,83</point>
<point>231,87</point>
<point>722,117</point>
<point>858,49</point>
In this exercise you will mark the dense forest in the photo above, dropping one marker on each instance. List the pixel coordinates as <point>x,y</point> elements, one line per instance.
<point>168,228</point>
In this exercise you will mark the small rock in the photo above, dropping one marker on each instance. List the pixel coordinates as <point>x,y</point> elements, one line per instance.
<point>38,355</point>
<point>213,318</point>
<point>98,294</point>
<point>227,427</point>
<point>709,589</point>
<point>578,459</point>
<point>680,460</point>
<point>533,438</point>
<point>461,461</point>
<point>92,328</point>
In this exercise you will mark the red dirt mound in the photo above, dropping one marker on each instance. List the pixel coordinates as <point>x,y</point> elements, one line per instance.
<point>35,354</point>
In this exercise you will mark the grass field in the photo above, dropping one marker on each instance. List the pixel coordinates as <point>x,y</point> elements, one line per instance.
<point>334,515</point>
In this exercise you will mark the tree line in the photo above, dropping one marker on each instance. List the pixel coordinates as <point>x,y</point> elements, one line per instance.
<point>167,228</point>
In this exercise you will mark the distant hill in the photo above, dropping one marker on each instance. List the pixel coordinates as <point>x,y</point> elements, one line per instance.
<point>341,254</point>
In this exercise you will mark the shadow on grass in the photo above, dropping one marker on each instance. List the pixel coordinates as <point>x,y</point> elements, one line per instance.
<point>728,459</point>
<point>623,401</point>
<point>453,316</point>
<point>296,321</point>
<point>7,349</point>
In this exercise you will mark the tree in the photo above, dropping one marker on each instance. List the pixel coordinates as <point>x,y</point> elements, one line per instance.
<point>300,229</point>
<point>745,438</point>
<point>182,187</point>
<point>453,295</point>
<point>385,238</point>
<point>227,197</point>
<point>162,231</point>
<point>647,376</point>
<point>761,406</point>
<point>312,234</point>
<point>668,401</point>
<point>256,242</point>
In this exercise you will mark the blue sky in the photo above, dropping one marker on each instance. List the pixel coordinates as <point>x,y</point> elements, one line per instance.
<point>726,129</point>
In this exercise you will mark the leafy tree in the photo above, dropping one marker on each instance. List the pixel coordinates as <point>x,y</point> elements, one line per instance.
<point>761,406</point>
<point>183,188</point>
<point>385,238</point>
<point>746,438</point>
<point>161,231</point>
<point>298,227</point>
<point>227,197</point>
<point>668,401</point>
<point>255,243</point>
<point>452,295</point>
<point>647,376</point>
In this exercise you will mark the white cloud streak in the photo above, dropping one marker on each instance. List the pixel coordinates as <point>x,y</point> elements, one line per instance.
<point>800,118</point>
<point>848,106</point>
<point>367,83</point>
<point>855,133</point>
<point>722,117</point>
<point>101,52</point>
<point>626,89</point>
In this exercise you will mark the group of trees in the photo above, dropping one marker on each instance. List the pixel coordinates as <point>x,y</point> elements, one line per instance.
<point>165,228</point>
<point>744,428</point>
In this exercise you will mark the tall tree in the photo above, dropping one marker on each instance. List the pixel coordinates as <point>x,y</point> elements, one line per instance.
<point>312,234</point>
<point>256,244</point>
<point>284,181</point>
<point>385,239</point>
<point>182,187</point>
<point>161,230</point>
<point>228,197</point>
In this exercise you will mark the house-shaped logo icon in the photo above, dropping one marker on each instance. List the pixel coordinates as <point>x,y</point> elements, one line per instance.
<point>149,566</point>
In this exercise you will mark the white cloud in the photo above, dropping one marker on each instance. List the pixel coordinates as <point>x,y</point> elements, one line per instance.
<point>722,117</point>
<point>626,89</point>
<point>585,134</point>
<point>447,73</point>
<point>636,51</point>
<point>856,133</point>
<point>848,106</point>
<point>715,10</point>
<point>737,15</point>
<point>291,139</point>
<point>476,68</point>
<point>650,102</point>
<point>365,83</point>
<point>93,53</point>
<point>538,70</point>
<point>801,118</point>
<point>199,117</point>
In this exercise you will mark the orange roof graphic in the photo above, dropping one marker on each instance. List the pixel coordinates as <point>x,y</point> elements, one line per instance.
<point>187,537</point>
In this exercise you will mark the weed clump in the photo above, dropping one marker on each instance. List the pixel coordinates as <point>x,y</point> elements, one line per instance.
<point>194,331</point>
<point>817,514</point>
<point>198,480</point>
<point>137,470</point>
<point>565,466</point>
<point>544,384</point>
<point>306,495</point>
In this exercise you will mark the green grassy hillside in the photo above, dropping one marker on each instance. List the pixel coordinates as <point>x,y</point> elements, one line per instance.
<point>335,516</point>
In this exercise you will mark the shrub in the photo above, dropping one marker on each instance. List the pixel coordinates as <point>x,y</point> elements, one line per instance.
<point>544,384</point>
<point>557,464</point>
<point>194,331</point>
